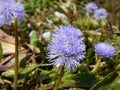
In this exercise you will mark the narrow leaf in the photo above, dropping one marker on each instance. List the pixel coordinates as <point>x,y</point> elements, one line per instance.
<point>107,80</point>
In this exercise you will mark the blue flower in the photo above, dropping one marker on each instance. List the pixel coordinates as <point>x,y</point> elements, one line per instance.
<point>100,14</point>
<point>104,49</point>
<point>91,7</point>
<point>67,47</point>
<point>9,9</point>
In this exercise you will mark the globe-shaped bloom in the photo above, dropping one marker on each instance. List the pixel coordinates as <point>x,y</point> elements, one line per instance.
<point>104,49</point>
<point>9,9</point>
<point>100,14</point>
<point>67,48</point>
<point>91,7</point>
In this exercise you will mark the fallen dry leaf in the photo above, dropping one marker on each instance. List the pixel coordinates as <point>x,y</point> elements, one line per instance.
<point>33,48</point>
<point>3,67</point>
<point>7,48</point>
<point>8,43</point>
<point>6,38</point>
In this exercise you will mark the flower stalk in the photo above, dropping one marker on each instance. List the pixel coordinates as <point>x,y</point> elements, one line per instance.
<point>16,53</point>
<point>97,65</point>
<point>98,59</point>
<point>56,86</point>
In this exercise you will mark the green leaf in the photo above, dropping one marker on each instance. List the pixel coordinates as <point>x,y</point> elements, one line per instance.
<point>112,87</point>
<point>44,75</point>
<point>30,6</point>
<point>9,73</point>
<point>24,72</point>
<point>85,80</point>
<point>33,38</point>
<point>107,80</point>
<point>115,87</point>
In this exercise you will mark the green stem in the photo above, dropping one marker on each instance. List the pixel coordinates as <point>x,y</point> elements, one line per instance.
<point>97,64</point>
<point>59,78</point>
<point>16,53</point>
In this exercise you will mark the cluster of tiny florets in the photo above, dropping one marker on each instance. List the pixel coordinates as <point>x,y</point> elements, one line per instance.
<point>99,13</point>
<point>9,9</point>
<point>91,7</point>
<point>104,49</point>
<point>67,47</point>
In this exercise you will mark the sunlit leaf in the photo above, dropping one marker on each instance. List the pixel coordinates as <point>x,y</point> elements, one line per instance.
<point>107,80</point>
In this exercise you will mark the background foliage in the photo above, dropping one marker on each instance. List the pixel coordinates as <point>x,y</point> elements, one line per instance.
<point>36,73</point>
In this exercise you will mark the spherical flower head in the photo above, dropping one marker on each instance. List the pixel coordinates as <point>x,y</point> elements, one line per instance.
<point>100,14</point>
<point>91,7</point>
<point>104,49</point>
<point>67,48</point>
<point>9,9</point>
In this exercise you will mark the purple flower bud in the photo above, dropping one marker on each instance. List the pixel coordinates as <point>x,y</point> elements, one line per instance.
<point>91,7</point>
<point>9,9</point>
<point>100,14</point>
<point>104,49</point>
<point>67,47</point>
